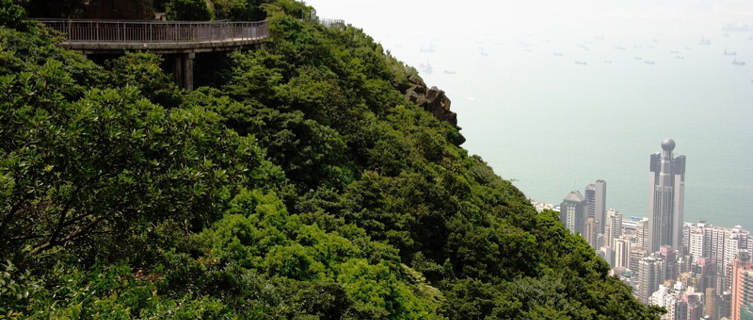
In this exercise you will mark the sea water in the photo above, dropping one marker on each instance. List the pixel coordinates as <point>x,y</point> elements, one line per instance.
<point>554,96</point>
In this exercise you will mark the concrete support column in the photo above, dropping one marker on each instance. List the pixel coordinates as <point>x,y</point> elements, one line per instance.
<point>188,70</point>
<point>177,61</point>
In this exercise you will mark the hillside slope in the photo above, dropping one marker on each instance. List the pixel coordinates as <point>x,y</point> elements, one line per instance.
<point>299,183</point>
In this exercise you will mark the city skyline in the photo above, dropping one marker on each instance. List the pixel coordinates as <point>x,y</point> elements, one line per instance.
<point>695,270</point>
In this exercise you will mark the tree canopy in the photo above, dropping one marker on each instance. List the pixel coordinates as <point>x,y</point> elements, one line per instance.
<point>297,182</point>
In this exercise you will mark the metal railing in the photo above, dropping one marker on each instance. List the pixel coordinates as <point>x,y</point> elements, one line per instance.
<point>156,31</point>
<point>329,23</point>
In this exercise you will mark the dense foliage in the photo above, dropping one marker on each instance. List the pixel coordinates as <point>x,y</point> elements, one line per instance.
<point>300,184</point>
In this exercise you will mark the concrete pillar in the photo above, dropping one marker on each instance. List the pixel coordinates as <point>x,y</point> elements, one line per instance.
<point>188,70</point>
<point>177,61</point>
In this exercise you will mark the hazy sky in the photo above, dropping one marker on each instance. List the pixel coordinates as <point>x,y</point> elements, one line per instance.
<point>459,18</point>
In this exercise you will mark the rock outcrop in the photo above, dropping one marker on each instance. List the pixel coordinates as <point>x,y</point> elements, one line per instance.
<point>431,99</point>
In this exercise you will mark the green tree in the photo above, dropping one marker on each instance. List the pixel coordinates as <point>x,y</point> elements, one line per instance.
<point>191,10</point>
<point>11,15</point>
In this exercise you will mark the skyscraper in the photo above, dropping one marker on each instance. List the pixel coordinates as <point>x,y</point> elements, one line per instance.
<point>595,195</point>
<point>666,197</point>
<point>589,194</point>
<point>742,284</point>
<point>573,212</point>
<point>600,205</point>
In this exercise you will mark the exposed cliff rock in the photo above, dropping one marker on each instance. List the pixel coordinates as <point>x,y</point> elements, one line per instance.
<point>431,99</point>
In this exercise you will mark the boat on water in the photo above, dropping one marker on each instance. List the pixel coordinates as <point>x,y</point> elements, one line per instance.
<point>729,53</point>
<point>581,63</point>
<point>651,62</point>
<point>557,54</point>
<point>738,62</point>
<point>704,42</point>
<point>449,72</point>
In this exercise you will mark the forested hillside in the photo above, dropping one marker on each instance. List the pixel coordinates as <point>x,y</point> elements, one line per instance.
<point>298,182</point>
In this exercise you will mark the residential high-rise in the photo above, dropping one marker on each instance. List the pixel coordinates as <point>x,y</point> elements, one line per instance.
<point>573,212</point>
<point>666,197</point>
<point>695,246</point>
<point>641,233</point>
<point>600,203</point>
<point>695,305</point>
<point>731,252</point>
<point>595,195</point>
<point>735,242</point>
<point>671,268</point>
<point>636,254</point>
<point>685,238</point>
<point>742,284</point>
<point>650,275</point>
<point>665,297</point>
<point>709,305</point>
<point>621,253</point>
<point>589,232</point>
<point>612,226</point>
<point>589,194</point>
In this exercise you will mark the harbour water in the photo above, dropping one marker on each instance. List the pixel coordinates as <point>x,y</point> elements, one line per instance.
<point>557,101</point>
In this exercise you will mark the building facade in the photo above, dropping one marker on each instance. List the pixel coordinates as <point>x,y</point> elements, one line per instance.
<point>621,253</point>
<point>650,275</point>
<point>612,226</point>
<point>742,285</point>
<point>666,198</point>
<point>573,212</point>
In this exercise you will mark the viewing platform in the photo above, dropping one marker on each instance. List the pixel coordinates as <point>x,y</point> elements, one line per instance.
<point>180,41</point>
<point>102,36</point>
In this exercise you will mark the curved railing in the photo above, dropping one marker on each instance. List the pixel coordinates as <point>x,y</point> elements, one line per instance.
<point>155,31</point>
